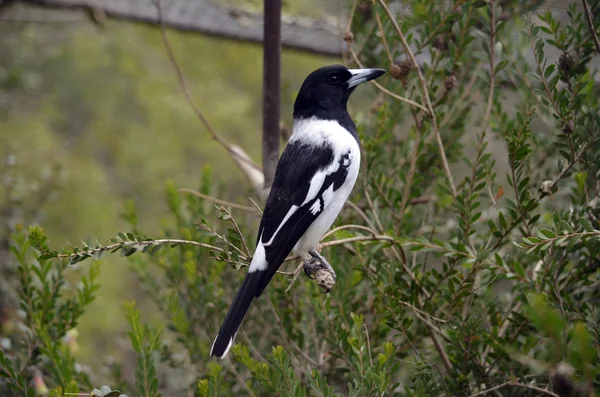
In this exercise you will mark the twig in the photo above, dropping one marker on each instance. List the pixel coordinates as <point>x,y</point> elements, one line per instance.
<point>239,378</point>
<point>260,211</point>
<point>590,21</point>
<point>461,99</point>
<point>382,88</point>
<point>383,39</point>
<point>218,201</point>
<point>435,31</point>
<point>411,173</point>
<point>361,213</point>
<point>121,244</point>
<point>289,339</point>
<point>399,255</point>
<point>238,230</point>
<point>220,237</point>
<point>515,384</point>
<point>377,237</point>
<point>417,310</point>
<point>278,271</point>
<point>368,344</point>
<point>296,274</point>
<point>559,237</point>
<point>576,159</point>
<point>350,226</point>
<point>430,110</point>
<point>490,101</point>
<point>439,347</point>
<point>188,95</point>
<point>351,16</point>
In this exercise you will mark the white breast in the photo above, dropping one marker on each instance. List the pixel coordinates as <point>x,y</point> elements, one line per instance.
<point>331,133</point>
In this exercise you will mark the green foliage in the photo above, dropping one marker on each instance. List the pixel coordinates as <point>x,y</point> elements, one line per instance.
<point>485,282</point>
<point>144,341</point>
<point>44,335</point>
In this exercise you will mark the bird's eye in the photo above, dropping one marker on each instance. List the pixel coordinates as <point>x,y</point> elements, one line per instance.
<point>333,79</point>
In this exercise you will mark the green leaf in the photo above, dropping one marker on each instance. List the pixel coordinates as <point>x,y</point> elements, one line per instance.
<point>586,224</point>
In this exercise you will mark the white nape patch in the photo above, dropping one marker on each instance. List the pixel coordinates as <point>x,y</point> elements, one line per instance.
<point>316,132</point>
<point>316,207</point>
<point>259,260</point>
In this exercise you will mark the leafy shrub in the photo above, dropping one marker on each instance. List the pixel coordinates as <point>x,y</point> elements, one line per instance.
<point>483,284</point>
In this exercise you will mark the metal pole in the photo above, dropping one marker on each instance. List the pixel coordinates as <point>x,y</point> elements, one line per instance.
<point>271,83</point>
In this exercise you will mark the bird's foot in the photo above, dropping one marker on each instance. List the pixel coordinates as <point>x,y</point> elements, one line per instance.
<point>317,268</point>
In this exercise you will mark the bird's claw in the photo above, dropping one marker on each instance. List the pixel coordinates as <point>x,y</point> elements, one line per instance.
<point>313,265</point>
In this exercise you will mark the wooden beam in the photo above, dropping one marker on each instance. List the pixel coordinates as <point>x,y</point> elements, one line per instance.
<point>204,16</point>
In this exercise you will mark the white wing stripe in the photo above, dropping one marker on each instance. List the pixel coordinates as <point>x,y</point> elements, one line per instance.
<point>285,219</point>
<point>315,185</point>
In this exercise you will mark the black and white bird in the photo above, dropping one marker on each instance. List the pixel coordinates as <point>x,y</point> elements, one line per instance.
<point>313,179</point>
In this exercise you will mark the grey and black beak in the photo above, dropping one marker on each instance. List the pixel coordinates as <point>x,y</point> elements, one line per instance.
<point>362,75</point>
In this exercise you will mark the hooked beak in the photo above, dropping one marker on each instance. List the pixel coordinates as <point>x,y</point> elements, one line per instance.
<point>362,75</point>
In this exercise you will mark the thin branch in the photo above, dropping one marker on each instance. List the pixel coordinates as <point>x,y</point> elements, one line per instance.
<point>351,17</point>
<point>260,211</point>
<point>368,344</point>
<point>411,172</point>
<point>439,347</point>
<point>218,201</point>
<point>361,213</point>
<point>239,231</point>
<point>514,384</point>
<point>576,159</point>
<point>239,378</point>
<point>430,110</point>
<point>490,101</point>
<point>383,39</point>
<point>296,274</point>
<point>382,88</point>
<point>124,244</point>
<point>350,226</point>
<point>435,31</point>
<point>590,21</point>
<point>461,99</point>
<point>188,95</point>
<point>377,237</point>
<point>560,237</point>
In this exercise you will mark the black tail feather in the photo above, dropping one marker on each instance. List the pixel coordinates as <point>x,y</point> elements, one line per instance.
<point>238,309</point>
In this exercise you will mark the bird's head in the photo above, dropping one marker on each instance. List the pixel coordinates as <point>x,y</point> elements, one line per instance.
<point>327,89</point>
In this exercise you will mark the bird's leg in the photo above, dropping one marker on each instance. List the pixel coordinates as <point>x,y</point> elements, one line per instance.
<point>317,262</point>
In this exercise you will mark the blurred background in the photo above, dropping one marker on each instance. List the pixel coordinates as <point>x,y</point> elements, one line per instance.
<point>92,117</point>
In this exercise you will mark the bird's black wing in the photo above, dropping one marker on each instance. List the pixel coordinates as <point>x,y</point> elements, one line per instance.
<point>300,165</point>
<point>290,210</point>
